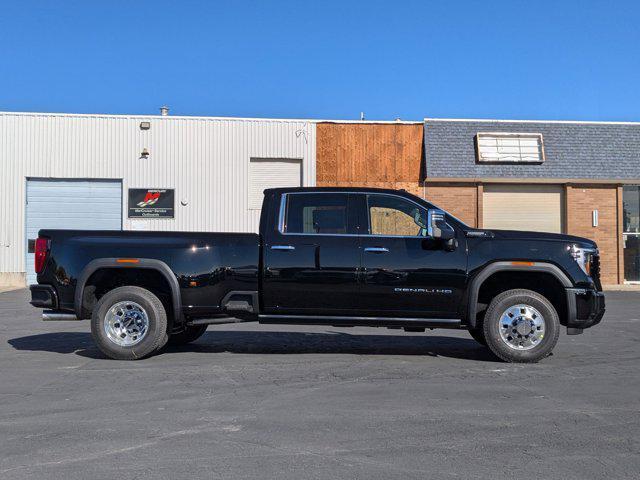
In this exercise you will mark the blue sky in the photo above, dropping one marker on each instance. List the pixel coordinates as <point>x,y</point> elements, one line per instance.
<point>327,59</point>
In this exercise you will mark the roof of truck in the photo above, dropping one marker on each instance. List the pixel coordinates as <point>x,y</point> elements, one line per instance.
<point>336,189</point>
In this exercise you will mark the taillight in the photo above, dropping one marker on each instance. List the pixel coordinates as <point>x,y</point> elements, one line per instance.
<point>42,250</point>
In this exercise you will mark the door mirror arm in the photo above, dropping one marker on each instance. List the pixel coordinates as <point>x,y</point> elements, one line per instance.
<point>451,244</point>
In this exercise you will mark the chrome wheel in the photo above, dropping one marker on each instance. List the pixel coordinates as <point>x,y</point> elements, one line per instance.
<point>522,327</point>
<point>126,324</point>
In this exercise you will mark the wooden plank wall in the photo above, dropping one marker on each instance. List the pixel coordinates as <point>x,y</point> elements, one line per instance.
<point>371,155</point>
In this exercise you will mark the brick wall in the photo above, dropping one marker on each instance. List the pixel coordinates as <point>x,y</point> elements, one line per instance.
<point>460,199</point>
<point>581,201</point>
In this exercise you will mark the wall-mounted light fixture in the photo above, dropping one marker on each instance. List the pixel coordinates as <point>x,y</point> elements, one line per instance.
<point>144,153</point>
<point>594,218</point>
<point>145,125</point>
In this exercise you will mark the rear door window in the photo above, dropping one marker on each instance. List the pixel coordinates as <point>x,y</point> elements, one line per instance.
<point>318,214</point>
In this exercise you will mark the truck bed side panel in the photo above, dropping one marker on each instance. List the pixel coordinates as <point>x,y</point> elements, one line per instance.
<point>207,265</point>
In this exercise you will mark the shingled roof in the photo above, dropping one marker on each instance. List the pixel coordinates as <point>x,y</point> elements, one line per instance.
<point>573,150</point>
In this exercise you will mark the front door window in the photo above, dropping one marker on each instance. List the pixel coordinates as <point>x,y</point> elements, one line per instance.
<point>631,232</point>
<point>394,216</point>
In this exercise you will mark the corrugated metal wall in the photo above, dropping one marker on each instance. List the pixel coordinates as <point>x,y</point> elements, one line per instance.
<point>206,160</point>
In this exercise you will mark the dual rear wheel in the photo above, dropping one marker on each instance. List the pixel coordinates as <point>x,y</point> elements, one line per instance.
<point>130,323</point>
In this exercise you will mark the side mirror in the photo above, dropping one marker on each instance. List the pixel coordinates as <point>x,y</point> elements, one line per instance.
<point>437,227</point>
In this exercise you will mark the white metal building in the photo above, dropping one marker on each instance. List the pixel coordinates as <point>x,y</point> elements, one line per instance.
<point>75,171</point>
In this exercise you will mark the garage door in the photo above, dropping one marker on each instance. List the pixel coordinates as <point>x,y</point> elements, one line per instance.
<point>272,173</point>
<point>523,207</point>
<point>70,204</point>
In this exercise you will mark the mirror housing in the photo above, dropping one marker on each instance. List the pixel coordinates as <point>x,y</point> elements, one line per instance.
<point>437,227</point>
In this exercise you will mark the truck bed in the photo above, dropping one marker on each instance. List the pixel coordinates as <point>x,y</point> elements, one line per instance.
<point>207,266</point>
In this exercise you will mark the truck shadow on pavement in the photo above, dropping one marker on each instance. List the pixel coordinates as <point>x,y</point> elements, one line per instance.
<point>282,343</point>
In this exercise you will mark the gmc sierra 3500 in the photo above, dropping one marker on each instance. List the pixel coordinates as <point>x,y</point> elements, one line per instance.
<point>324,256</point>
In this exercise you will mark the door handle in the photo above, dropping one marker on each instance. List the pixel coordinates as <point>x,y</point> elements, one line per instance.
<point>376,249</point>
<point>282,247</point>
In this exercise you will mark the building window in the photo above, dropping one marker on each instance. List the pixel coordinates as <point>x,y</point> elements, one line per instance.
<point>271,173</point>
<point>631,232</point>
<point>631,208</point>
<point>510,147</point>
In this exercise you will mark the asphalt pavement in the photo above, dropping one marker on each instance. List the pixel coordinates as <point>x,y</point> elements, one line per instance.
<point>248,401</point>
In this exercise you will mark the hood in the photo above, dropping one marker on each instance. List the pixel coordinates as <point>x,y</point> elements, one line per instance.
<point>538,236</point>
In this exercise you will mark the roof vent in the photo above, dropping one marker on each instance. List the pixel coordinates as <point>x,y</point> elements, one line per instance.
<point>164,110</point>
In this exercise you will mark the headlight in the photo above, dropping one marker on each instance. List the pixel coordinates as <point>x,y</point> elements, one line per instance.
<point>582,256</point>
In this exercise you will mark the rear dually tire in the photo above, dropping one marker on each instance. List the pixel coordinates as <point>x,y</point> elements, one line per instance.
<point>129,323</point>
<point>188,335</point>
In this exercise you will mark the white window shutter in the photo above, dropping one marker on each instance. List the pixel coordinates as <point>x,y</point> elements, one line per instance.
<point>510,147</point>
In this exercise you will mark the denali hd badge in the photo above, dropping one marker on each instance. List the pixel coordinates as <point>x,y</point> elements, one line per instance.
<point>151,203</point>
<point>437,291</point>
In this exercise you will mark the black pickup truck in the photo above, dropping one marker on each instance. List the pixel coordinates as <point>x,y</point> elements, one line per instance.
<point>324,256</point>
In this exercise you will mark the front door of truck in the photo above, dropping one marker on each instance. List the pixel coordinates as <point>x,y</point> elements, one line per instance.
<point>406,273</point>
<point>311,259</point>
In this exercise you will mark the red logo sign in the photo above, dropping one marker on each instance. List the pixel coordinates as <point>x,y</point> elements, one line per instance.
<point>149,199</point>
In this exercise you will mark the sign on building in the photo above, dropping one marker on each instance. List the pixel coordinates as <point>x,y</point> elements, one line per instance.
<point>151,203</point>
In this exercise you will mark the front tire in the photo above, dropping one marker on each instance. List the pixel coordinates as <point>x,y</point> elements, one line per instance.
<point>521,326</point>
<point>129,323</point>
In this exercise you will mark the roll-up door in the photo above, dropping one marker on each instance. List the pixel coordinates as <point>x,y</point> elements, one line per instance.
<point>70,204</point>
<point>523,207</point>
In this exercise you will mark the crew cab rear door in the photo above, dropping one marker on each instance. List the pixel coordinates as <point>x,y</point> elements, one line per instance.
<point>406,273</point>
<point>311,258</point>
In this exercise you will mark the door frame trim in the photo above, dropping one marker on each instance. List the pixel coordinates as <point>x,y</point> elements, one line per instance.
<point>283,203</point>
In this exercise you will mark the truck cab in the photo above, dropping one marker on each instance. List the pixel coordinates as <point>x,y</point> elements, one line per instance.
<point>362,253</point>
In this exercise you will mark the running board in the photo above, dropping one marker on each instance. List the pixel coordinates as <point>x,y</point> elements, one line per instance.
<point>342,321</point>
<point>54,316</point>
<point>215,321</point>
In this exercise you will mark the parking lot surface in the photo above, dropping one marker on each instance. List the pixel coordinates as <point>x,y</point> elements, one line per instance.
<point>254,402</point>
